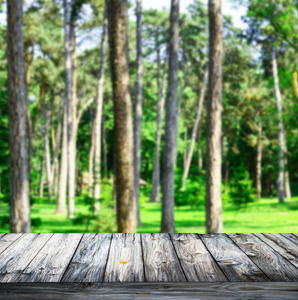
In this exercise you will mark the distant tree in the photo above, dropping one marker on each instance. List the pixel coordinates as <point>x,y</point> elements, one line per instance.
<point>19,187</point>
<point>167,221</point>
<point>214,221</point>
<point>118,41</point>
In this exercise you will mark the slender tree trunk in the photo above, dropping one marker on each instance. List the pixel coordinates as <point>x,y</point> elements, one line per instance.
<point>105,153</point>
<point>98,115</point>
<point>55,166</point>
<point>200,158</point>
<point>194,131</point>
<point>259,163</point>
<point>214,223</point>
<point>19,186</point>
<point>154,197</point>
<point>287,184</point>
<point>91,160</point>
<point>41,178</point>
<point>185,148</point>
<point>281,138</point>
<point>69,108</point>
<point>167,221</point>
<point>48,156</point>
<point>138,109</point>
<point>118,38</point>
<point>61,199</point>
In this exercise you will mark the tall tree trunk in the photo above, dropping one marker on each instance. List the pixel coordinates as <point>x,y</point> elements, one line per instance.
<point>185,147</point>
<point>19,186</point>
<point>287,184</point>
<point>118,38</point>
<point>98,114</point>
<point>48,155</point>
<point>200,158</point>
<point>91,160</point>
<point>105,151</point>
<point>281,138</point>
<point>194,131</point>
<point>214,223</point>
<point>138,109</point>
<point>69,108</point>
<point>61,199</point>
<point>154,197</point>
<point>167,221</point>
<point>55,165</point>
<point>41,178</point>
<point>259,163</point>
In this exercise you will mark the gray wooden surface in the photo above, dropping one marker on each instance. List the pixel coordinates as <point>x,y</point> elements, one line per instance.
<point>151,257</point>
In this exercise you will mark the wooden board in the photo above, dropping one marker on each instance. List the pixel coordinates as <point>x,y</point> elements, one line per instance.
<point>195,259</point>
<point>291,236</point>
<point>17,257</point>
<point>52,260</point>
<point>152,291</point>
<point>90,259</point>
<point>270,262</point>
<point>1,235</point>
<point>234,263</point>
<point>125,262</point>
<point>282,245</point>
<point>8,240</point>
<point>160,260</point>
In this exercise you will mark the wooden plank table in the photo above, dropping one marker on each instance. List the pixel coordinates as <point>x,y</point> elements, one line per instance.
<point>149,266</point>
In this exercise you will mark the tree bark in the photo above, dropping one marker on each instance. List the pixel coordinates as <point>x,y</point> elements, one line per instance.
<point>167,221</point>
<point>259,163</point>
<point>41,179</point>
<point>214,223</point>
<point>105,151</point>
<point>200,158</point>
<point>194,131</point>
<point>118,39</point>
<point>61,199</point>
<point>98,115</point>
<point>91,160</point>
<point>154,197</point>
<point>48,156</point>
<point>281,138</point>
<point>19,186</point>
<point>69,109</point>
<point>138,108</point>
<point>287,176</point>
<point>185,148</point>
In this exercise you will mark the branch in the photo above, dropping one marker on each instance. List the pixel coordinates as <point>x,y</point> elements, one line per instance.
<point>81,111</point>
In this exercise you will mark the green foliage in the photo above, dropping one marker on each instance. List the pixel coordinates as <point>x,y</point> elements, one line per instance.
<point>241,191</point>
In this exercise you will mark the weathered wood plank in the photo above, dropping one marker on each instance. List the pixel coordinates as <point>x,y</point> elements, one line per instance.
<point>195,259</point>
<point>52,260</point>
<point>270,262</point>
<point>291,236</point>
<point>234,263</point>
<point>1,235</point>
<point>125,262</point>
<point>90,259</point>
<point>282,245</point>
<point>16,258</point>
<point>160,260</point>
<point>154,291</point>
<point>8,239</point>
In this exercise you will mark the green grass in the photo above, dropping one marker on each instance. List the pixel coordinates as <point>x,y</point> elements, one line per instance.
<point>265,215</point>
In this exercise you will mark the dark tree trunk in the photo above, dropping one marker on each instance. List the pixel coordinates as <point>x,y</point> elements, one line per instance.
<point>167,221</point>
<point>214,223</point>
<point>19,186</point>
<point>118,40</point>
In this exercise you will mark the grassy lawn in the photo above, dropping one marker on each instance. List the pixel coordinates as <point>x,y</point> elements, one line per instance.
<point>265,215</point>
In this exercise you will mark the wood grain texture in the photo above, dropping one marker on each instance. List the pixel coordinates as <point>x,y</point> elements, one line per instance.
<point>160,260</point>
<point>155,291</point>
<point>291,236</point>
<point>8,239</point>
<point>52,260</point>
<point>90,259</point>
<point>125,261</point>
<point>234,263</point>
<point>195,259</point>
<point>1,235</point>
<point>17,257</point>
<point>282,245</point>
<point>270,262</point>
